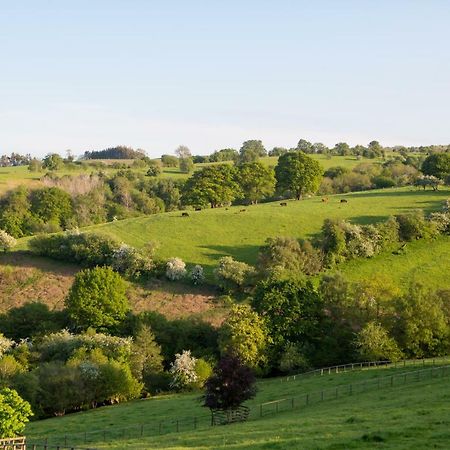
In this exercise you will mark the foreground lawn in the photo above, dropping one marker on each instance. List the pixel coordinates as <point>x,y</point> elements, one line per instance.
<point>184,407</point>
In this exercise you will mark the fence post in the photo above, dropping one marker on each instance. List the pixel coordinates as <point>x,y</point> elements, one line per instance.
<point>292,402</point>
<point>276,407</point>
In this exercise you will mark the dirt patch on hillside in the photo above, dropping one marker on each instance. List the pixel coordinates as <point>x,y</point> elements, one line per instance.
<point>25,278</point>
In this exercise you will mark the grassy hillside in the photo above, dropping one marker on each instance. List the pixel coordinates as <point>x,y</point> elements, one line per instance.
<point>207,235</point>
<point>404,413</point>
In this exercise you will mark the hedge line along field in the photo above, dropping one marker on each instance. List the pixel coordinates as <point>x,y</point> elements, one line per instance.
<point>207,235</point>
<point>398,415</point>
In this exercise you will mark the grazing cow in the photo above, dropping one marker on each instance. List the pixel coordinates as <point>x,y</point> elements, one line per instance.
<point>185,214</point>
<point>343,200</point>
<point>198,209</point>
<point>325,199</point>
<point>243,210</point>
<point>283,204</point>
<point>226,209</point>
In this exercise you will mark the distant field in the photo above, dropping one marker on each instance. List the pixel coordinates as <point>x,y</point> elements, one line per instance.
<point>11,177</point>
<point>209,234</point>
<point>403,416</point>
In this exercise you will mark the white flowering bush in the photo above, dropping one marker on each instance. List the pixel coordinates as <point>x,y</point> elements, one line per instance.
<point>7,242</point>
<point>232,274</point>
<point>130,261</point>
<point>5,344</point>
<point>183,370</point>
<point>197,276</point>
<point>175,269</point>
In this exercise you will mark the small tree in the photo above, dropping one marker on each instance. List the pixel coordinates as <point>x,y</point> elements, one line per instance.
<point>7,242</point>
<point>232,274</point>
<point>186,165</point>
<point>183,370</point>
<point>97,298</point>
<point>175,269</point>
<point>197,275</point>
<point>14,413</point>
<point>231,384</point>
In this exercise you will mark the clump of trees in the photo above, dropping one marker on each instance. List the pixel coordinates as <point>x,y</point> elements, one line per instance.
<point>119,152</point>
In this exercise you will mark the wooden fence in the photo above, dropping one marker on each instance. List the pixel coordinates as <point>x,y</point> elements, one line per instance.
<point>17,443</point>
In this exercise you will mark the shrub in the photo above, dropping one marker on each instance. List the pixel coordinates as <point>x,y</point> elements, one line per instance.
<point>197,276</point>
<point>203,371</point>
<point>382,181</point>
<point>413,226</point>
<point>374,344</point>
<point>97,298</point>
<point>14,413</point>
<point>131,262</point>
<point>183,370</point>
<point>5,344</point>
<point>232,274</point>
<point>293,360</point>
<point>175,269</point>
<point>7,242</point>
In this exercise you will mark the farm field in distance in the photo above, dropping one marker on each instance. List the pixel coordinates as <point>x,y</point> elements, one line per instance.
<point>394,416</point>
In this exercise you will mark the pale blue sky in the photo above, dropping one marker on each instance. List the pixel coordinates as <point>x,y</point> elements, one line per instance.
<point>210,74</point>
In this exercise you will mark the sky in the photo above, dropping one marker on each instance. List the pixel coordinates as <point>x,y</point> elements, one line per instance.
<point>87,75</point>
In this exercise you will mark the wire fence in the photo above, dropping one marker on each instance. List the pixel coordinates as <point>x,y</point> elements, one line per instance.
<point>178,425</point>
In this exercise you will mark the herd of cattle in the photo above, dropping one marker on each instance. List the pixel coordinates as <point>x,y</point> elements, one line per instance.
<point>324,200</point>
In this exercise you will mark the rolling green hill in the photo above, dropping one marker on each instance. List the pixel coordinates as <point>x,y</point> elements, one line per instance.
<point>395,406</point>
<point>209,234</point>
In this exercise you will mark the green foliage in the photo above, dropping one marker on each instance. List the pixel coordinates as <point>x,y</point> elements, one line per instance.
<point>288,254</point>
<point>14,413</point>
<point>52,161</point>
<point>293,311</point>
<point>203,370</point>
<point>297,174</point>
<point>374,344</point>
<point>226,154</point>
<point>244,333</point>
<point>256,180</point>
<point>293,360</point>
<point>251,151</point>
<point>97,298</point>
<point>437,164</point>
<point>212,185</point>
<point>186,165</point>
<point>413,226</point>
<point>52,205</point>
<point>30,320</point>
<point>169,161</point>
<point>231,274</point>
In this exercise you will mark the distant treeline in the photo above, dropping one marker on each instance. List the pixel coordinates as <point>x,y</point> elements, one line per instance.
<point>119,152</point>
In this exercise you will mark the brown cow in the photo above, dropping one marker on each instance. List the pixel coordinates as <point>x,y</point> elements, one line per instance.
<point>185,214</point>
<point>343,200</point>
<point>283,204</point>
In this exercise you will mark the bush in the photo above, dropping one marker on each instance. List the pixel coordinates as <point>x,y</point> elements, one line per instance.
<point>381,181</point>
<point>203,371</point>
<point>293,360</point>
<point>414,226</point>
<point>130,262</point>
<point>175,269</point>
<point>196,275</point>
<point>374,344</point>
<point>7,242</point>
<point>183,371</point>
<point>232,274</point>
<point>97,298</point>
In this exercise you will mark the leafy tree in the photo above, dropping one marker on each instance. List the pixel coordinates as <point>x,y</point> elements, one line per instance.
<point>169,161</point>
<point>437,164</point>
<point>97,298</point>
<point>213,185</point>
<point>35,165</point>
<point>52,161</point>
<point>15,215</point>
<point>305,146</point>
<point>251,151</point>
<point>154,168</point>
<point>374,344</point>
<point>7,242</point>
<point>186,165</point>
<point>14,413</point>
<point>297,173</point>
<point>334,172</point>
<point>244,334</point>
<point>256,180</point>
<point>52,205</point>
<point>293,310</point>
<point>278,151</point>
<point>231,384</point>
<point>226,154</point>
<point>118,152</point>
<point>342,149</point>
<point>183,370</point>
<point>183,152</point>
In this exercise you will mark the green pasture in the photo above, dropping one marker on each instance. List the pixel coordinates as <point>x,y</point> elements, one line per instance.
<point>395,413</point>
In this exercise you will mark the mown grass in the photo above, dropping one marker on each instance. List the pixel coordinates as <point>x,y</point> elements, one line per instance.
<point>331,419</point>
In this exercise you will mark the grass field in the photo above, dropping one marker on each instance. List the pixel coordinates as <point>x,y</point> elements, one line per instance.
<point>413,412</point>
<point>209,234</point>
